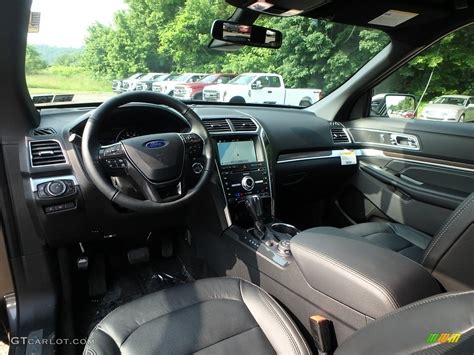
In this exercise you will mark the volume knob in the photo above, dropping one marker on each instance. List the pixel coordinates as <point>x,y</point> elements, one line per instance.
<point>248,183</point>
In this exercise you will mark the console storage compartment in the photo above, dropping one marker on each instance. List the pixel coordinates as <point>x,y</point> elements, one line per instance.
<point>369,279</point>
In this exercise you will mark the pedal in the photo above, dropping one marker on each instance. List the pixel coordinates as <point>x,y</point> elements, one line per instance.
<point>97,279</point>
<point>138,256</point>
<point>167,247</point>
<point>82,263</point>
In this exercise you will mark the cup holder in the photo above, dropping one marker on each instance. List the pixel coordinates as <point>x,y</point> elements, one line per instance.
<point>283,228</point>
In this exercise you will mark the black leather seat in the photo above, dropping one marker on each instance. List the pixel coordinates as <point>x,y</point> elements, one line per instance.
<point>210,316</point>
<point>397,237</point>
<point>232,316</point>
<point>441,324</point>
<point>447,255</point>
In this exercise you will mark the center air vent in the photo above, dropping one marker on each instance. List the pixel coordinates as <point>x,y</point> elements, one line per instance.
<point>44,131</point>
<point>243,125</point>
<point>217,126</point>
<point>339,134</point>
<point>46,152</point>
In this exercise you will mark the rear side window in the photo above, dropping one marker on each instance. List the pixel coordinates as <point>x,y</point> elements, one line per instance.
<point>275,82</point>
<point>436,85</point>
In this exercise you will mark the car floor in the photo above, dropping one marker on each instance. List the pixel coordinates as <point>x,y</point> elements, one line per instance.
<point>126,284</point>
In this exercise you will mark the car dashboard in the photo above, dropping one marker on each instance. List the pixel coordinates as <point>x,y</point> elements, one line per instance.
<point>273,147</point>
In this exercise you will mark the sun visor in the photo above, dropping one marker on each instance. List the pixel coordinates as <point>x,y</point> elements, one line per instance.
<point>279,7</point>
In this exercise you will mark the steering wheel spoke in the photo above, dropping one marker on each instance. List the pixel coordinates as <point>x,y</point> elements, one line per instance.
<point>113,159</point>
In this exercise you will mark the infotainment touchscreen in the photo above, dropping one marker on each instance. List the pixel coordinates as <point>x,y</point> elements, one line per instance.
<point>236,152</point>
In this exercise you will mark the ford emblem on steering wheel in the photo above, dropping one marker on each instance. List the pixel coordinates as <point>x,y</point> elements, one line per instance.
<point>155,144</point>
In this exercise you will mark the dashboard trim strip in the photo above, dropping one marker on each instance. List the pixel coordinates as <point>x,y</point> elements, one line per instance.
<point>374,153</point>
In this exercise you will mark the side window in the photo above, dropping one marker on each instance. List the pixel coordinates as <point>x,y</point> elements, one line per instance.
<point>264,81</point>
<point>275,82</point>
<point>224,79</point>
<point>435,85</point>
<point>194,78</point>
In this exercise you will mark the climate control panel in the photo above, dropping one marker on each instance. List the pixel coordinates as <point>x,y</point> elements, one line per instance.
<point>245,179</point>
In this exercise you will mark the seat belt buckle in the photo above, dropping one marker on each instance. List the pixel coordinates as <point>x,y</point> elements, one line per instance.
<point>322,331</point>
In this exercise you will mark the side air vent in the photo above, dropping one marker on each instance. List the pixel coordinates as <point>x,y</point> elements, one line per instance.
<point>47,152</point>
<point>217,126</point>
<point>243,125</point>
<point>339,134</point>
<point>43,131</point>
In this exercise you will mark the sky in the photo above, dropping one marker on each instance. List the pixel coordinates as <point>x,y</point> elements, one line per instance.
<point>64,23</point>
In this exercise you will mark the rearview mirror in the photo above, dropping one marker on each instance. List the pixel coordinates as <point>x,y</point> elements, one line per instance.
<point>247,35</point>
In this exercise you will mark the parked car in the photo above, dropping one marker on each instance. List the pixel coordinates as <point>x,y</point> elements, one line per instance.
<point>263,88</point>
<point>145,82</point>
<point>118,84</point>
<point>167,86</point>
<point>132,84</point>
<point>451,108</point>
<point>193,91</point>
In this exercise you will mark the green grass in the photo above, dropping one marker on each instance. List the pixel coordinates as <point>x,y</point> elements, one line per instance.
<point>47,82</point>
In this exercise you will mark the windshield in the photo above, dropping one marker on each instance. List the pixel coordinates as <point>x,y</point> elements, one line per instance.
<point>88,56</point>
<point>243,79</point>
<point>209,79</point>
<point>450,100</point>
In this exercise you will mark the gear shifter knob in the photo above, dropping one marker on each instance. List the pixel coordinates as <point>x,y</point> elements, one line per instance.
<point>253,204</point>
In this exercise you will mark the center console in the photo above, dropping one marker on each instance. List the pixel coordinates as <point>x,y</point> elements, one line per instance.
<point>244,171</point>
<point>243,167</point>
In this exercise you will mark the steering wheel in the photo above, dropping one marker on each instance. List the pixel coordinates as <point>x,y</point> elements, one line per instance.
<point>168,169</point>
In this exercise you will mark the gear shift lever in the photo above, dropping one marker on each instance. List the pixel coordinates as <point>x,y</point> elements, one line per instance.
<point>253,204</point>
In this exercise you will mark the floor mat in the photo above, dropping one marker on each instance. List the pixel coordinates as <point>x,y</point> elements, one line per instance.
<point>130,284</point>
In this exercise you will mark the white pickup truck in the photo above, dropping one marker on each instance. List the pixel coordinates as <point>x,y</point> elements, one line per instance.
<point>260,88</point>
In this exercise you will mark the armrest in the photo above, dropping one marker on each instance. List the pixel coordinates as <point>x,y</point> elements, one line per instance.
<point>365,277</point>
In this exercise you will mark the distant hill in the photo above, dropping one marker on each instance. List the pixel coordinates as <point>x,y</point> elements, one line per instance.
<point>49,53</point>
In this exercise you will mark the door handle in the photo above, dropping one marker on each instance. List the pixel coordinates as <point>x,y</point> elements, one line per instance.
<point>404,140</point>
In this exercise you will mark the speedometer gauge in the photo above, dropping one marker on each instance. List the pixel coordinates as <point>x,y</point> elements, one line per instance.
<point>126,133</point>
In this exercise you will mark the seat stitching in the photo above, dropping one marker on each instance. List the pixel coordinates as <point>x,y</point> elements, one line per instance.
<point>408,307</point>
<point>272,311</point>
<point>174,311</point>
<point>293,324</point>
<point>365,278</point>
<point>226,338</point>
<point>445,228</point>
<point>283,312</point>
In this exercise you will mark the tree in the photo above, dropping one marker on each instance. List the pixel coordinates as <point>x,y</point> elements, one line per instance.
<point>33,61</point>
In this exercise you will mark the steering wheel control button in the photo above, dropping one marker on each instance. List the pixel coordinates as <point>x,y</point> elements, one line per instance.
<point>197,168</point>
<point>248,183</point>
<point>194,144</point>
<point>113,151</point>
<point>116,163</point>
<point>56,188</point>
